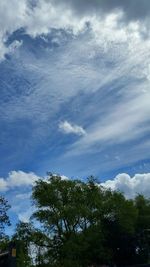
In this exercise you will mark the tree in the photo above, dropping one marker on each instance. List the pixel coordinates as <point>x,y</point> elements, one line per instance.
<point>66,213</point>
<point>120,223</point>
<point>142,237</point>
<point>22,239</point>
<point>4,218</point>
<point>83,223</point>
<point>4,243</point>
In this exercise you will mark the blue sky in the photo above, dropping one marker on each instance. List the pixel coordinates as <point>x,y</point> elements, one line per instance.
<point>74,95</point>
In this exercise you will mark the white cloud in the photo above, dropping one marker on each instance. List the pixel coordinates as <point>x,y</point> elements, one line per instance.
<point>19,195</point>
<point>21,179</point>
<point>74,15</point>
<point>127,118</point>
<point>109,64</point>
<point>63,177</point>
<point>13,15</point>
<point>68,128</point>
<point>36,20</point>
<point>17,179</point>
<point>130,186</point>
<point>133,10</point>
<point>107,56</point>
<point>3,185</point>
<point>46,15</point>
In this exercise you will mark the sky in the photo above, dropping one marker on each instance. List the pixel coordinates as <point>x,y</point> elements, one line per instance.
<point>74,95</point>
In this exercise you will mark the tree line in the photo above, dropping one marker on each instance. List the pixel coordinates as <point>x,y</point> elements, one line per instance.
<point>79,224</point>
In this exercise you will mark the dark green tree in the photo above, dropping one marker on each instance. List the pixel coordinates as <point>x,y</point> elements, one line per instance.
<point>142,237</point>
<point>83,223</point>
<point>119,224</point>
<point>23,239</point>
<point>4,243</point>
<point>4,218</point>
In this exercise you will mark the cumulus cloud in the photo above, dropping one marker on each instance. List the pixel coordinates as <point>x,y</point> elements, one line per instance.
<point>3,185</point>
<point>10,21</point>
<point>69,128</point>
<point>20,179</point>
<point>18,184</point>
<point>130,186</point>
<point>17,179</point>
<point>39,17</point>
<point>133,10</point>
<point>63,177</point>
<point>35,18</point>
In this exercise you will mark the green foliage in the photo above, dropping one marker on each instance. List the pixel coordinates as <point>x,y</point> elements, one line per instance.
<point>4,219</point>
<point>142,239</point>
<point>22,239</point>
<point>82,224</point>
<point>79,218</point>
<point>4,243</point>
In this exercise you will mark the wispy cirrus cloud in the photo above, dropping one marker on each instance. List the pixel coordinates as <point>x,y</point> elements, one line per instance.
<point>122,115</point>
<point>85,68</point>
<point>127,121</point>
<point>81,61</point>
